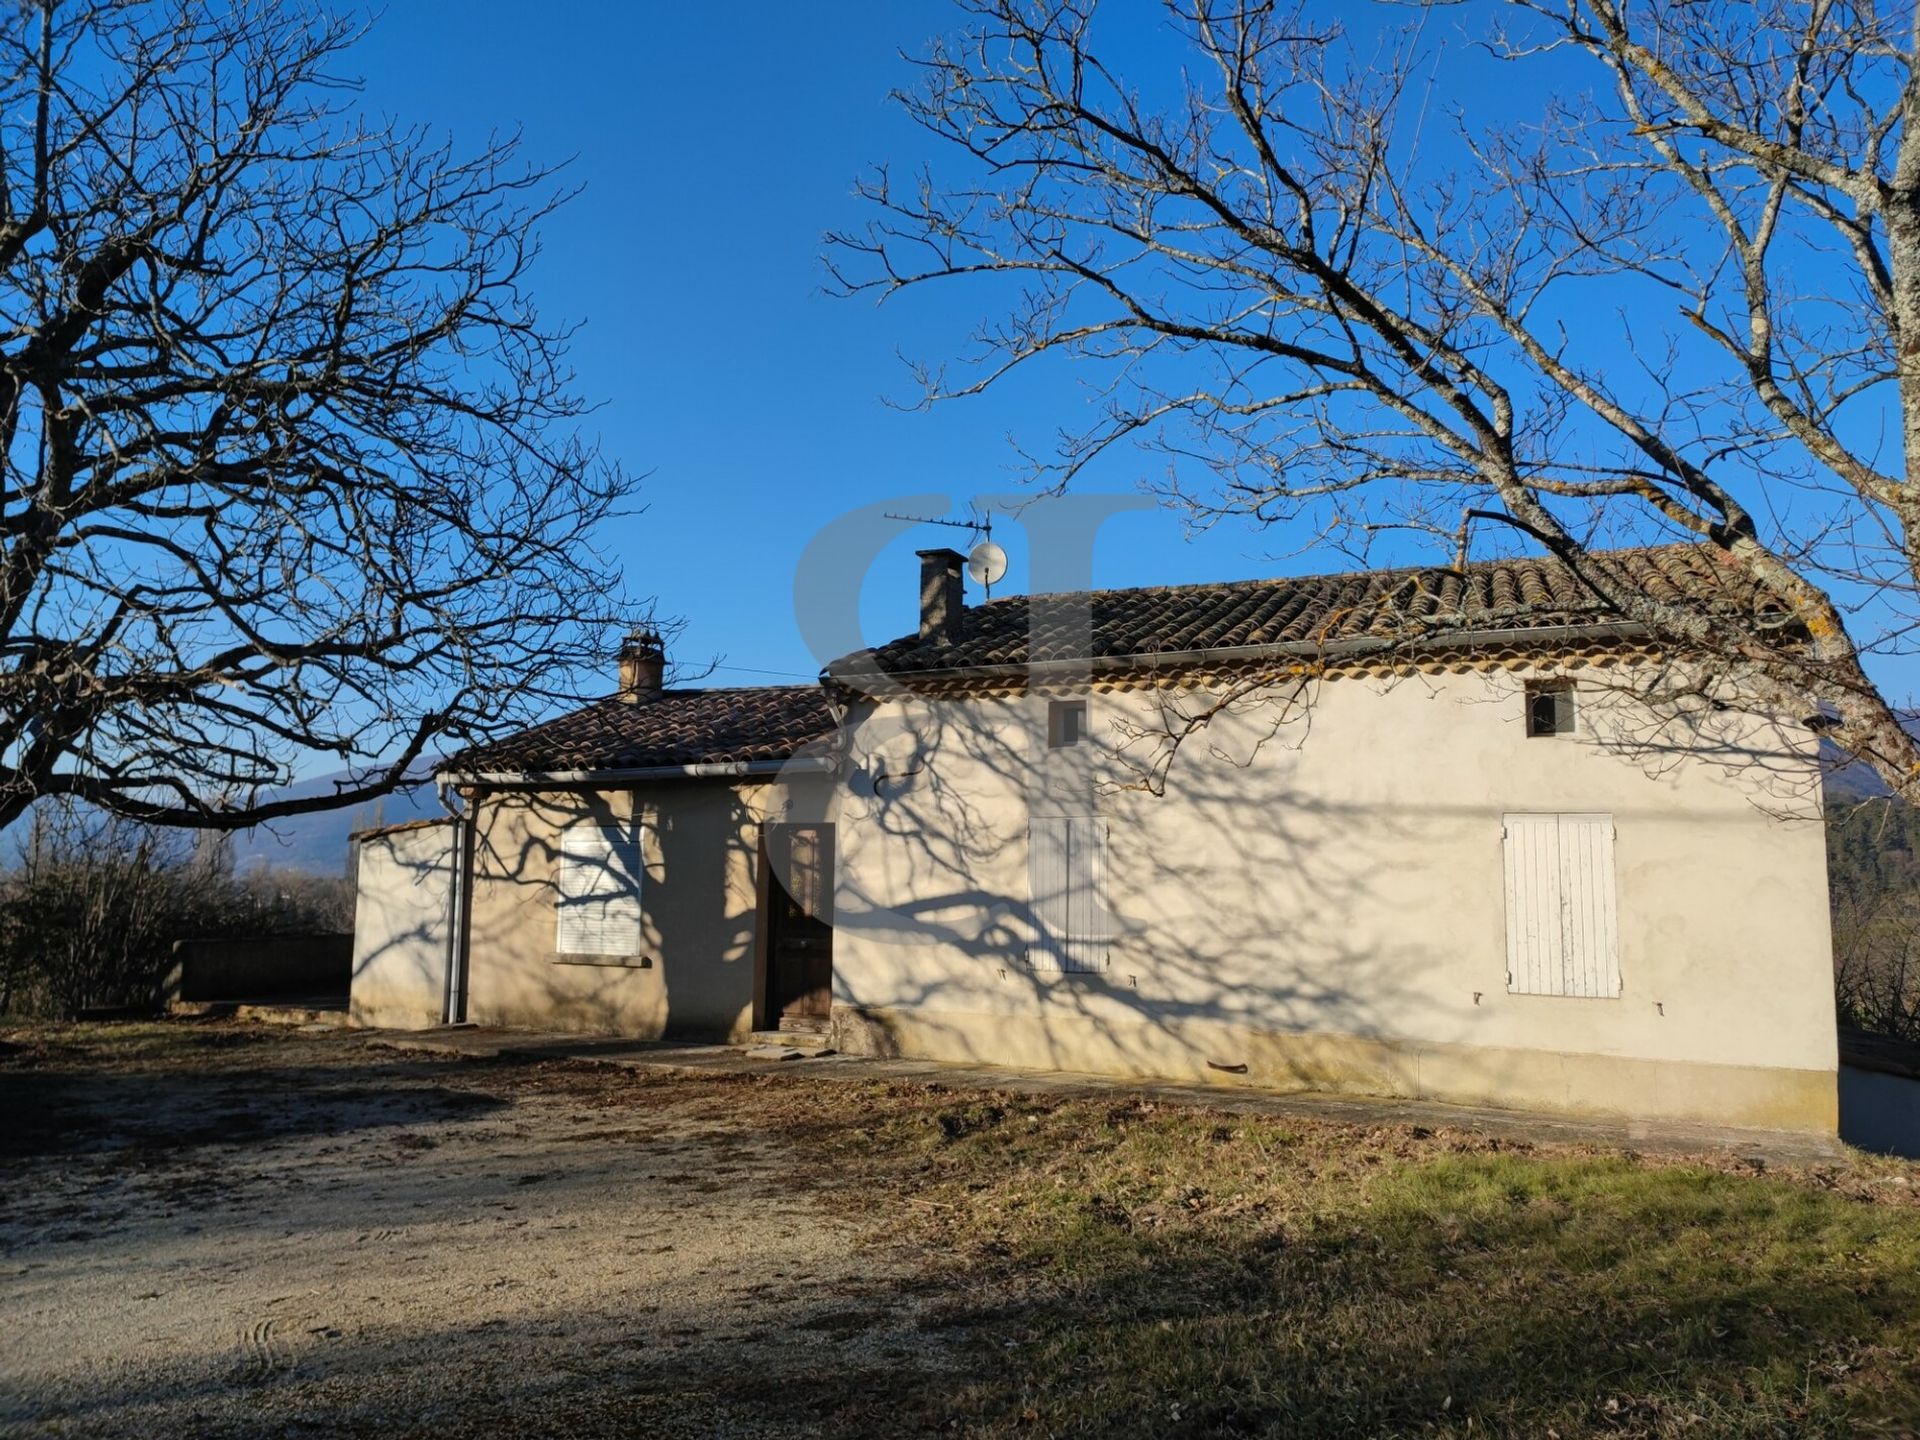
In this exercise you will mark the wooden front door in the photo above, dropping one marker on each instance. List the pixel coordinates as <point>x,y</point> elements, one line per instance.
<point>800,923</point>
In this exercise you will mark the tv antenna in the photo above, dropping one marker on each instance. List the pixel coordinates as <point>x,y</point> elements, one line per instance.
<point>986,561</point>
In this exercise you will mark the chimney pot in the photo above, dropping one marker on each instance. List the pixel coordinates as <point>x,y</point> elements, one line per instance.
<point>643,666</point>
<point>941,595</point>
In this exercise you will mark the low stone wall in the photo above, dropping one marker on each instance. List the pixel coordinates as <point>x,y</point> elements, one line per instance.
<point>262,967</point>
<point>1879,1093</point>
<point>1880,1112</point>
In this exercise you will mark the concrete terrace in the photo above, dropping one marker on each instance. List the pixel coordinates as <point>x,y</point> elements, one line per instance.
<point>483,1043</point>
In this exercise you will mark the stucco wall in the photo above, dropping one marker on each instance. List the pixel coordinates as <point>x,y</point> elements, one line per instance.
<point>400,923</point>
<point>1322,900</point>
<point>695,973</point>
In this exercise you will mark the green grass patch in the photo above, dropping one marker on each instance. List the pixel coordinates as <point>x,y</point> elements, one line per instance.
<point>1142,1271</point>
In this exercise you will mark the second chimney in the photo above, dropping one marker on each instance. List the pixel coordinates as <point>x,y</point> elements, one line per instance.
<point>643,666</point>
<point>941,596</point>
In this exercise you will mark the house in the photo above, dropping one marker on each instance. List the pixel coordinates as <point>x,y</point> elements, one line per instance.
<point>1424,838</point>
<point>609,871</point>
<point>1412,832</point>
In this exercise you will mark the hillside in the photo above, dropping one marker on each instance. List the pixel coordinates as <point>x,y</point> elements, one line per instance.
<point>318,843</point>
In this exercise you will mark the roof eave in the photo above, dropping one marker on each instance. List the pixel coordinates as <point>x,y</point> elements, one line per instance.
<point>374,832</point>
<point>844,668</point>
<point>636,774</point>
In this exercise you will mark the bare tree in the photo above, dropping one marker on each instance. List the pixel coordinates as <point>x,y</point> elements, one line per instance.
<point>1876,963</point>
<point>1680,301</point>
<point>292,467</point>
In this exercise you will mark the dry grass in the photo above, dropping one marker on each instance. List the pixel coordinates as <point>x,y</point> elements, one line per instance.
<point>1130,1270</point>
<point>1122,1269</point>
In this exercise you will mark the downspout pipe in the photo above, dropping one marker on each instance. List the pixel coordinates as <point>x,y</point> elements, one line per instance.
<point>453,1010</point>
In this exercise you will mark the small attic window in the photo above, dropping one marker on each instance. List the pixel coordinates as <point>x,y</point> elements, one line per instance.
<point>1066,723</point>
<point>1550,708</point>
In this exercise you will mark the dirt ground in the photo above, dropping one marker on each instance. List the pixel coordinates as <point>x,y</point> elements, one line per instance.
<point>226,1230</point>
<point>214,1229</point>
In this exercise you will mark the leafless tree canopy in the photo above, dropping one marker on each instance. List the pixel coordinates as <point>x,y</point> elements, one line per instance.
<point>1664,285</point>
<point>292,468</point>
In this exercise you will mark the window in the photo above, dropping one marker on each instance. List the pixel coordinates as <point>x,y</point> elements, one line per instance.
<point>1560,906</point>
<point>1067,892</point>
<point>1066,723</point>
<point>1550,708</point>
<point>598,885</point>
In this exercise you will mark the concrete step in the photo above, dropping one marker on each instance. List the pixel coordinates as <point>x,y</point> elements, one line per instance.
<point>270,1012</point>
<point>325,1017</point>
<point>787,1044</point>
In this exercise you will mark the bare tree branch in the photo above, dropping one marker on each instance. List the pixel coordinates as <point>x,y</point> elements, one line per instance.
<point>293,470</point>
<point>1322,312</point>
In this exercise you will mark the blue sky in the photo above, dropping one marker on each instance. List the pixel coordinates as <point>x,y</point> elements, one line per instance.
<point>716,144</point>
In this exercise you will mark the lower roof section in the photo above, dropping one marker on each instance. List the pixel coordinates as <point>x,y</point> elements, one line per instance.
<point>680,732</point>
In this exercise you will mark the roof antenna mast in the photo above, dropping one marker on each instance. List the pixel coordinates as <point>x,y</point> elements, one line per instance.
<point>986,561</point>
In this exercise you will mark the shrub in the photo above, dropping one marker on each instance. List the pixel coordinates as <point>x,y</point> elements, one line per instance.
<point>93,904</point>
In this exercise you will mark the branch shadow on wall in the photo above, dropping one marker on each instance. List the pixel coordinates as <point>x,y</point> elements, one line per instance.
<point>1268,922</point>
<point>1205,943</point>
<point>693,975</point>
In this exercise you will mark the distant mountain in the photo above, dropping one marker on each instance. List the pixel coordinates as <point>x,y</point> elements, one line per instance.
<point>1846,780</point>
<point>318,842</point>
<point>1850,780</point>
<point>313,844</point>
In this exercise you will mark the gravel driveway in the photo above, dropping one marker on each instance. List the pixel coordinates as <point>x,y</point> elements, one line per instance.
<point>216,1230</point>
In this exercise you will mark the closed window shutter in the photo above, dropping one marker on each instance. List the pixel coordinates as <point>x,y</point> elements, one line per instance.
<point>1561,932</point>
<point>598,885</point>
<point>1067,890</point>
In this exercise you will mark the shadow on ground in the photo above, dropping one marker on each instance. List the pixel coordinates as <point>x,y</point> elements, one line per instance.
<point>393,1245</point>
<point>55,1111</point>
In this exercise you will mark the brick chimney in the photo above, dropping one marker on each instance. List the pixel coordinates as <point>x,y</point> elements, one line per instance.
<point>643,666</point>
<point>941,596</point>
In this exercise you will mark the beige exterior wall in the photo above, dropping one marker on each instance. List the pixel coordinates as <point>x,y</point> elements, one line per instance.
<point>695,972</point>
<point>1322,901</point>
<point>400,924</point>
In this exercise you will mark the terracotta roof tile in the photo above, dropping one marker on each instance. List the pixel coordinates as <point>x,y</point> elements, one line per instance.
<point>1485,595</point>
<point>682,727</point>
<point>773,722</point>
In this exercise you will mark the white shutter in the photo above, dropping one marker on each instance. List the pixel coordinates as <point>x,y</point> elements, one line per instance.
<point>1088,930</point>
<point>598,892</point>
<point>1067,893</point>
<point>1048,845</point>
<point>1535,951</point>
<point>1586,868</point>
<point>1561,937</point>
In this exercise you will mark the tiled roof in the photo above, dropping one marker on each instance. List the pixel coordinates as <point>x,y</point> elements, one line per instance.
<point>682,727</point>
<point>1419,605</point>
<point>1412,604</point>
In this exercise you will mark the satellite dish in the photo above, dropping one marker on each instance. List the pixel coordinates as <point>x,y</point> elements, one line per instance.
<point>986,563</point>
